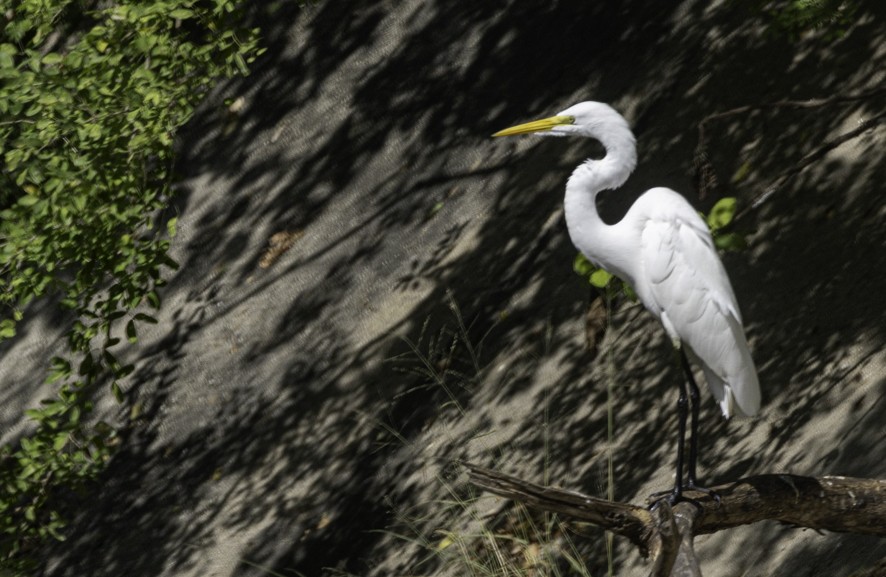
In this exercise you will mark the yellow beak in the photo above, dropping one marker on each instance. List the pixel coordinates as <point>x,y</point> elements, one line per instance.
<point>536,126</point>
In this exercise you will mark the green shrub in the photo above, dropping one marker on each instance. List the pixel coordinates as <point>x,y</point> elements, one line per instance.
<point>91,96</point>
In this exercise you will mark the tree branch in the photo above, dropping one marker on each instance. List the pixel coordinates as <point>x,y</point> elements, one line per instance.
<point>705,175</point>
<point>813,156</point>
<point>841,504</point>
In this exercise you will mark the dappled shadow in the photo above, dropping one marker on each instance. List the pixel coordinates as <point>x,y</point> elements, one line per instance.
<point>278,433</point>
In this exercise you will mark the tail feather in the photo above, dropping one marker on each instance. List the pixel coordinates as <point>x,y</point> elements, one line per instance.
<point>733,378</point>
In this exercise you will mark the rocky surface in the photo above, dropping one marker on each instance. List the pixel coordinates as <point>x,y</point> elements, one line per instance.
<point>348,226</point>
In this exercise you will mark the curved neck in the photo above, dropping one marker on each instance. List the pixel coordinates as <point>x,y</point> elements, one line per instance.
<point>593,237</point>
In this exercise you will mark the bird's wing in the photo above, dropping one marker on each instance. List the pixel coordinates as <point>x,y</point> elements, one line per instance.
<point>687,286</point>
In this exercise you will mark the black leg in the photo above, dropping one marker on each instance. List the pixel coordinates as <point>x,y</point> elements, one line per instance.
<point>691,479</point>
<point>693,425</point>
<point>676,494</point>
<point>682,413</point>
<point>687,401</point>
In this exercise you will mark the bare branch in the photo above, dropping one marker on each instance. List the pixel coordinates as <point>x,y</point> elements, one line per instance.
<point>622,519</point>
<point>841,504</point>
<point>810,158</point>
<point>705,175</point>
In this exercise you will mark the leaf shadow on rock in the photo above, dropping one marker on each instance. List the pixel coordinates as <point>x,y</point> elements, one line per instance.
<point>277,430</point>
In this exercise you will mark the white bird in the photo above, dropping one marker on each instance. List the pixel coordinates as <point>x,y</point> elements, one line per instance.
<point>664,250</point>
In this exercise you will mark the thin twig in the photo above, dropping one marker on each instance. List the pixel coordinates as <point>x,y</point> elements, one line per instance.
<point>706,177</point>
<point>813,156</point>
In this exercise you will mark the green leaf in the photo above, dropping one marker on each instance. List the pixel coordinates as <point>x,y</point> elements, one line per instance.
<point>52,58</point>
<point>111,360</point>
<point>116,315</point>
<point>28,200</point>
<point>118,393</point>
<point>87,366</point>
<point>722,213</point>
<point>732,241</point>
<point>56,375</point>
<point>52,407</point>
<point>169,261</point>
<point>628,291</point>
<point>130,331</point>
<point>153,299</point>
<point>60,441</point>
<point>145,318</point>
<point>582,265</point>
<point>600,278</point>
<point>60,364</point>
<point>7,329</point>
<point>170,226</point>
<point>241,64</point>
<point>181,14</point>
<point>741,172</point>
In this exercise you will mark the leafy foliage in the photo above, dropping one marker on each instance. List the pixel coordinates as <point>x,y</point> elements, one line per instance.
<point>795,17</point>
<point>602,279</point>
<point>91,95</point>
<point>719,219</point>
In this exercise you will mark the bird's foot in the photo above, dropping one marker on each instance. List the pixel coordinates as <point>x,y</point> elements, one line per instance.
<point>671,497</point>
<point>676,495</point>
<point>692,486</point>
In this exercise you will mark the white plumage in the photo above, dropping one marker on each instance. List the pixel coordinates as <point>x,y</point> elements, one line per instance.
<point>663,249</point>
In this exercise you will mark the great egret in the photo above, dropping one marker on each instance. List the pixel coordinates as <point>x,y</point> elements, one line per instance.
<point>664,250</point>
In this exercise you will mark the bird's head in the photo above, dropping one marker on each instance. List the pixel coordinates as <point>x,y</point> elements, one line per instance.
<point>592,120</point>
<point>589,119</point>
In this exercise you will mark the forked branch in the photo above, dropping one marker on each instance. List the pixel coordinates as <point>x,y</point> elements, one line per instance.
<point>840,504</point>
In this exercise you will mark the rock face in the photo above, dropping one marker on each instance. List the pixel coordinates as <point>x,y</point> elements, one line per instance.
<point>305,409</point>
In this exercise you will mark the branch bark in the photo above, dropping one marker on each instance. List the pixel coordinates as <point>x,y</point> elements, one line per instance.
<point>841,504</point>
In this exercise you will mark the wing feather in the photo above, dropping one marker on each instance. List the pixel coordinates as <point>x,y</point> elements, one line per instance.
<point>687,287</point>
